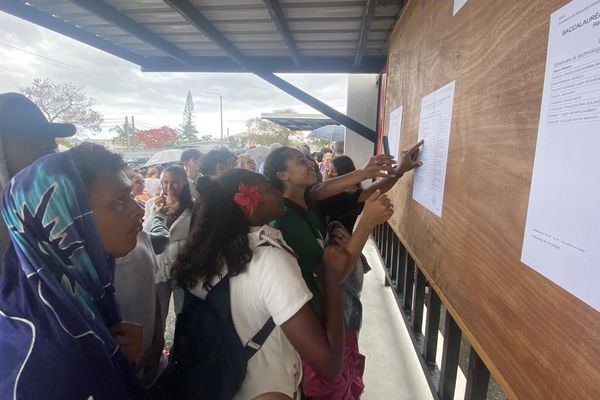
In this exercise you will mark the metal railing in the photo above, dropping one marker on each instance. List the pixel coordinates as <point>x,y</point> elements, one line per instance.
<point>418,304</point>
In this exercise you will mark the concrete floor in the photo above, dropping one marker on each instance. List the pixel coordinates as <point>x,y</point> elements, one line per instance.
<point>392,368</point>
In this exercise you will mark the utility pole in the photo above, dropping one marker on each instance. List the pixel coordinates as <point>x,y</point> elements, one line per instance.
<point>132,132</point>
<point>220,107</point>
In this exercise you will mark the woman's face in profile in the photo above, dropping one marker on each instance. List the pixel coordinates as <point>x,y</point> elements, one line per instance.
<point>118,216</point>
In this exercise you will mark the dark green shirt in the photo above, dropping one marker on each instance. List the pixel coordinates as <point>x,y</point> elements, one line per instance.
<point>304,232</point>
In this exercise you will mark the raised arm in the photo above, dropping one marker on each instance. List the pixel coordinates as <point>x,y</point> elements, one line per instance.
<point>378,209</point>
<point>408,161</point>
<point>321,345</point>
<point>373,169</point>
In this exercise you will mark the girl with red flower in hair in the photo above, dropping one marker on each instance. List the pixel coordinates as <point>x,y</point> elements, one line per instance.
<point>230,236</point>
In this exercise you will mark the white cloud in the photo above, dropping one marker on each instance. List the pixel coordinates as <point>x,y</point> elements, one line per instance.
<point>154,99</point>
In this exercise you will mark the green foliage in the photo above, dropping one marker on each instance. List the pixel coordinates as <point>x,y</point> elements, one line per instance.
<point>319,143</point>
<point>64,142</point>
<point>64,102</point>
<point>236,142</point>
<point>187,131</point>
<point>264,132</point>
<point>125,135</point>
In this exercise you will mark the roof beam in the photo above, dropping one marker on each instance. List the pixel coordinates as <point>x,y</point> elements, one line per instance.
<point>276,12</point>
<point>364,30</point>
<point>283,64</point>
<point>113,16</point>
<point>43,19</point>
<point>196,18</point>
<point>318,105</point>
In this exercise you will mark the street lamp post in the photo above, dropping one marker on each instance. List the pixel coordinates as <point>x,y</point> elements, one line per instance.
<point>220,108</point>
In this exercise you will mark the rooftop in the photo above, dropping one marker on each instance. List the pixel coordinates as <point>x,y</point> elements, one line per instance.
<point>299,122</point>
<point>267,36</point>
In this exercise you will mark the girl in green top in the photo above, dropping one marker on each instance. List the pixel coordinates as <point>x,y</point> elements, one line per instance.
<point>290,171</point>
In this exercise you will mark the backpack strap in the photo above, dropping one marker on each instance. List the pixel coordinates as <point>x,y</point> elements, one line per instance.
<point>259,339</point>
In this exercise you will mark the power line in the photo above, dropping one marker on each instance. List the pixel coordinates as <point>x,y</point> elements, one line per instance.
<point>89,71</point>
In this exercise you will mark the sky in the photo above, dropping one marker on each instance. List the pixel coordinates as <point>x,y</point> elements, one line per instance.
<point>28,51</point>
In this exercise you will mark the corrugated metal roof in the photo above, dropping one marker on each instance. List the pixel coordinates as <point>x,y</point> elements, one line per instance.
<point>299,122</point>
<point>226,35</point>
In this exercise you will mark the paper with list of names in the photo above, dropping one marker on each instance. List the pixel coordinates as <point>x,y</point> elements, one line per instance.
<point>394,132</point>
<point>434,127</point>
<point>562,231</point>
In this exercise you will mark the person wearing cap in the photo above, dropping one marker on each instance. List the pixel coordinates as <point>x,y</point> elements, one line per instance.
<point>25,135</point>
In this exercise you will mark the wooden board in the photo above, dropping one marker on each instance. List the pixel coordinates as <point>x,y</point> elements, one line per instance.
<point>538,340</point>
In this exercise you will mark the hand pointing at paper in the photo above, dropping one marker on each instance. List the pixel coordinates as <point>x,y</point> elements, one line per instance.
<point>409,160</point>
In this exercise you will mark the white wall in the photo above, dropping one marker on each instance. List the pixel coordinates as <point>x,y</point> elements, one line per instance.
<point>361,106</point>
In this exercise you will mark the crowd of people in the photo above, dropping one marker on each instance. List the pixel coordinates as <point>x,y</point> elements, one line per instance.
<point>93,253</point>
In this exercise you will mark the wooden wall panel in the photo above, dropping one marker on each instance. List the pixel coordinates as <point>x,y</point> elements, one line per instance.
<point>539,341</point>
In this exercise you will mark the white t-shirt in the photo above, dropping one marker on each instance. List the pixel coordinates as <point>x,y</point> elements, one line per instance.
<point>271,286</point>
<point>135,287</point>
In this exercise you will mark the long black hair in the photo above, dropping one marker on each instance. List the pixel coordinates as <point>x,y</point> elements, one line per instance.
<point>219,233</point>
<point>185,197</point>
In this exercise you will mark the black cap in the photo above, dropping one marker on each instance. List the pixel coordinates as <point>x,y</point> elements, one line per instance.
<point>19,116</point>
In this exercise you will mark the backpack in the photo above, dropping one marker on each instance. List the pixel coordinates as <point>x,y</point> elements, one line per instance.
<point>208,359</point>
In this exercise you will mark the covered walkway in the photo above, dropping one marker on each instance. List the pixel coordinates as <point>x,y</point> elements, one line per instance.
<point>392,370</point>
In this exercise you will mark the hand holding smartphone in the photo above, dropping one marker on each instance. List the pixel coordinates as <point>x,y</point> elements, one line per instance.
<point>386,145</point>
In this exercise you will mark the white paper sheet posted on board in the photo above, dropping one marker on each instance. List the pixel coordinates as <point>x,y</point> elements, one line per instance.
<point>435,122</point>
<point>394,130</point>
<point>562,232</point>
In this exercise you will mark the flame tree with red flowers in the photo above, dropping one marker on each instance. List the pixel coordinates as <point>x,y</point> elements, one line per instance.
<point>156,138</point>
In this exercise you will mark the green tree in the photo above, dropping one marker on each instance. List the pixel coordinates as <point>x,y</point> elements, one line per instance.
<point>265,132</point>
<point>188,131</point>
<point>64,102</point>
<point>125,134</point>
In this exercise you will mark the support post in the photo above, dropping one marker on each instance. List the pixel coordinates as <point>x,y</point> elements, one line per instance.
<point>304,97</point>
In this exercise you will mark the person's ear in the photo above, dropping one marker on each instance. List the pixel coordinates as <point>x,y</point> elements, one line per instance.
<point>283,176</point>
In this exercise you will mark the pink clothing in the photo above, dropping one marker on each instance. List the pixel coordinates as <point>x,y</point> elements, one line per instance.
<point>350,385</point>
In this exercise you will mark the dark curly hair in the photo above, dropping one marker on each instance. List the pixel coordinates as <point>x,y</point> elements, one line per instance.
<point>219,232</point>
<point>185,197</point>
<point>92,159</point>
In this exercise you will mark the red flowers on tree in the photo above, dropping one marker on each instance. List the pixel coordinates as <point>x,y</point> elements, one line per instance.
<point>156,138</point>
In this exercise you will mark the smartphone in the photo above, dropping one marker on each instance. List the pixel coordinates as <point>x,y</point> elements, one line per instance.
<point>386,145</point>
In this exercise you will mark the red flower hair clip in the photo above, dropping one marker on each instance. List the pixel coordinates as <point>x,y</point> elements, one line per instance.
<point>248,198</point>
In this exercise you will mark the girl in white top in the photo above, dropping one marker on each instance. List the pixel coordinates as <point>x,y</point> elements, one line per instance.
<point>176,203</point>
<point>230,234</point>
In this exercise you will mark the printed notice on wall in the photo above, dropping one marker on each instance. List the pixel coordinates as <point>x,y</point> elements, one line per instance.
<point>562,232</point>
<point>458,5</point>
<point>434,128</point>
<point>394,132</point>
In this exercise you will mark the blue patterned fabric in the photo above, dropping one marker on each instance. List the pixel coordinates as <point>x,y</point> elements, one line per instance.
<point>56,294</point>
